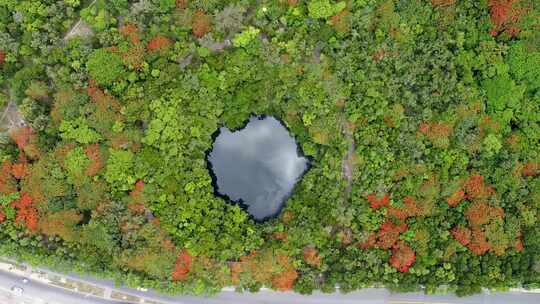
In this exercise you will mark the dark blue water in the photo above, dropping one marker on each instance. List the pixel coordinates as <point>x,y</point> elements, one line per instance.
<point>257,166</point>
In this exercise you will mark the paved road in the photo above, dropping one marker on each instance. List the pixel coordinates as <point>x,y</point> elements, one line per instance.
<point>52,295</point>
<point>364,296</point>
<point>42,293</point>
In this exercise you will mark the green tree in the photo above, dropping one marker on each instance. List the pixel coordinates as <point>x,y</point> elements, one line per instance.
<point>105,67</point>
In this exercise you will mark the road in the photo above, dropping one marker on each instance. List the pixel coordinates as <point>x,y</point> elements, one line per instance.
<point>39,293</point>
<point>55,295</point>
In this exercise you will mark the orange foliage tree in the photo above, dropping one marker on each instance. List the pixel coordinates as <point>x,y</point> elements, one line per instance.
<point>462,235</point>
<point>456,198</point>
<point>505,15</point>
<point>133,53</point>
<point>136,206</point>
<point>402,256</point>
<point>436,132</point>
<point>531,169</point>
<point>7,182</point>
<point>61,224</point>
<point>182,4</point>
<point>92,152</point>
<point>183,264</point>
<point>285,279</point>
<point>26,213</point>
<point>386,236</point>
<point>26,139</point>
<point>376,203</point>
<point>200,24</point>
<point>159,42</point>
<point>311,256</point>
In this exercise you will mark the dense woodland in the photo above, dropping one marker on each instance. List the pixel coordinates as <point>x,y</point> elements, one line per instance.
<point>422,119</point>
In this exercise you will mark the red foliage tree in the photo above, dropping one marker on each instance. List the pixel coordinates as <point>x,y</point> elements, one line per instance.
<point>456,198</point>
<point>26,213</point>
<point>518,244</point>
<point>133,56</point>
<point>159,43</point>
<point>388,234</point>
<point>131,31</point>
<point>200,24</point>
<point>411,209</point>
<point>19,170</point>
<point>504,16</point>
<point>475,187</point>
<point>2,57</point>
<point>184,261</point>
<point>2,217</point>
<point>462,235</point>
<point>402,256</point>
<point>376,203</point>
<point>477,213</point>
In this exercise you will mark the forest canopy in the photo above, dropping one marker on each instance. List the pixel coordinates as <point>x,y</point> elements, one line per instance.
<point>421,118</point>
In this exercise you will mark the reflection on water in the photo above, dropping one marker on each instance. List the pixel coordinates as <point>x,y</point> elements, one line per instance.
<point>256,166</point>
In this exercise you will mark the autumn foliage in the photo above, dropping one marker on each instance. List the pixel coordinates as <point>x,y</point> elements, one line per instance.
<point>436,132</point>
<point>159,43</point>
<point>25,138</point>
<point>386,236</point>
<point>462,235</point>
<point>7,182</point>
<point>184,261</point>
<point>285,279</point>
<point>182,4</point>
<point>504,16</point>
<point>200,24</point>
<point>133,55</point>
<point>26,215</point>
<point>267,268</point>
<point>136,205</point>
<point>410,209</point>
<point>456,198</point>
<point>61,224</point>
<point>2,57</point>
<point>311,256</point>
<point>484,232</point>
<point>377,203</point>
<point>531,169</point>
<point>92,152</point>
<point>402,256</point>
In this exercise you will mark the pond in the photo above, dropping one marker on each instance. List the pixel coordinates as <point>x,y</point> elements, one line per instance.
<point>256,166</point>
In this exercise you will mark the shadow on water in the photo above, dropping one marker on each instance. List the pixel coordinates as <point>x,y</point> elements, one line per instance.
<point>256,166</point>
